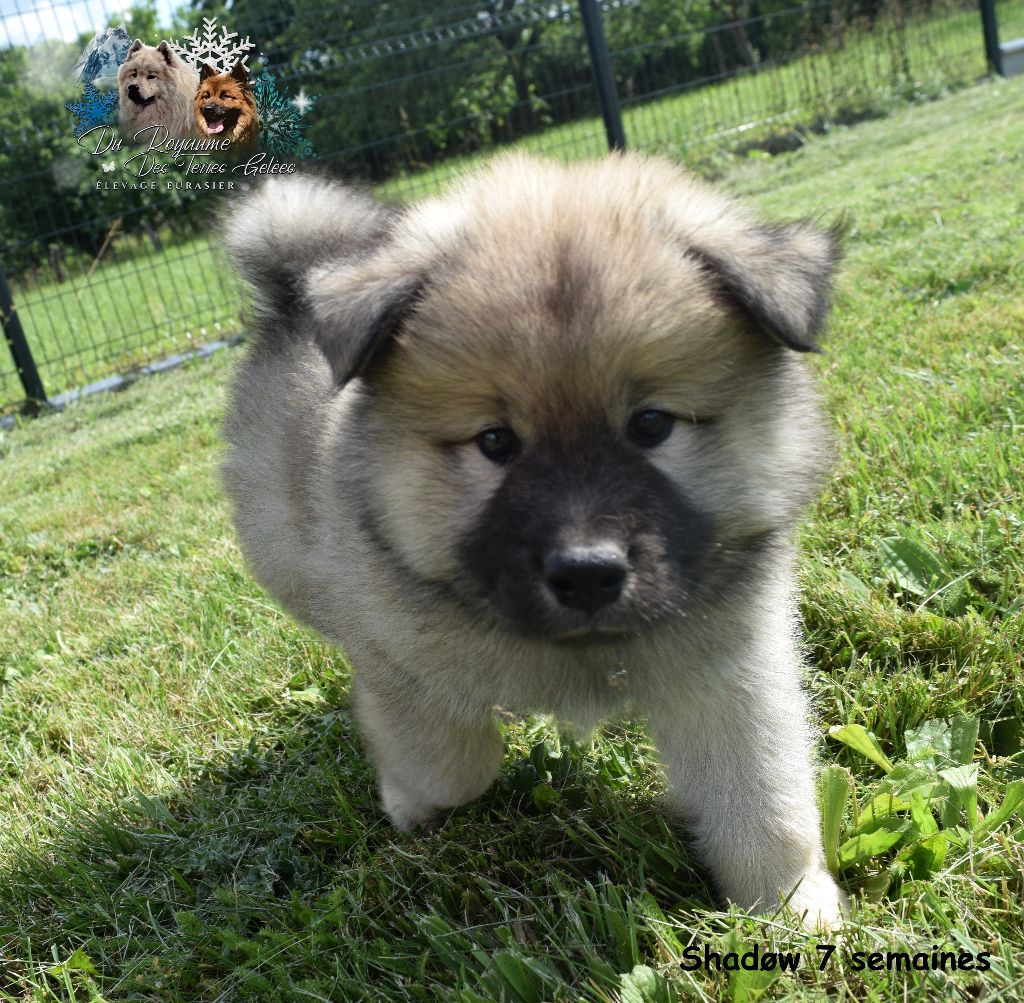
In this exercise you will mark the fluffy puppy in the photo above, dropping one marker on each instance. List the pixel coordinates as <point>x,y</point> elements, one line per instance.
<point>155,87</point>
<point>540,443</point>
<point>225,107</point>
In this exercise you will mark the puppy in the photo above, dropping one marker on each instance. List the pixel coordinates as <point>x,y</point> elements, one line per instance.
<point>225,107</point>
<point>540,443</point>
<point>155,88</point>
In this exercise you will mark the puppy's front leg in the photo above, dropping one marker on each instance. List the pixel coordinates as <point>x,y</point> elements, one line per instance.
<point>429,757</point>
<point>737,759</point>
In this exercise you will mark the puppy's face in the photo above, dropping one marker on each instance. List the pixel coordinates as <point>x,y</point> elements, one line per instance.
<point>582,414</point>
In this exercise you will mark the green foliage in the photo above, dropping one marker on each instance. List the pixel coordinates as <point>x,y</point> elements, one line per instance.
<point>924,808</point>
<point>141,20</point>
<point>44,180</point>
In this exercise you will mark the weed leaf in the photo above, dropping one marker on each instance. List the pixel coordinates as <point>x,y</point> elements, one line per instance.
<point>645,985</point>
<point>963,793</point>
<point>911,566</point>
<point>834,786</point>
<point>857,737</point>
<point>870,844</point>
<point>963,736</point>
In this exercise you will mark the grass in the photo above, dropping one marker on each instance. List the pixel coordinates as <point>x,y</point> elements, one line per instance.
<point>139,305</point>
<point>185,811</point>
<point>1010,19</point>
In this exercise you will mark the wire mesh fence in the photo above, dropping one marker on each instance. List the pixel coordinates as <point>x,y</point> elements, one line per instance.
<point>108,279</point>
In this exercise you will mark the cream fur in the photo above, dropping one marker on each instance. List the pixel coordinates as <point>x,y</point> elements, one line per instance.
<point>159,73</point>
<point>551,297</point>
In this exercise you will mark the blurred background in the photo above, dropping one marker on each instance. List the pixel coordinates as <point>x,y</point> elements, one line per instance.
<point>98,286</point>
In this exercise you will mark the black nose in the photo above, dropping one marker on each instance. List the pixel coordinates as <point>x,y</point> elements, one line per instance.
<point>586,578</point>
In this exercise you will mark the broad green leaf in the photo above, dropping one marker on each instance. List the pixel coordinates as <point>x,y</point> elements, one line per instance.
<point>870,844</point>
<point>745,986</point>
<point>926,856</point>
<point>921,816</point>
<point>963,792</point>
<point>907,778</point>
<point>516,973</point>
<point>78,962</point>
<point>645,985</point>
<point>929,743</point>
<point>963,736</point>
<point>913,567</point>
<point>834,786</point>
<point>153,808</point>
<point>875,887</point>
<point>857,737</point>
<point>748,986</point>
<point>882,806</point>
<point>854,584</point>
<point>545,796</point>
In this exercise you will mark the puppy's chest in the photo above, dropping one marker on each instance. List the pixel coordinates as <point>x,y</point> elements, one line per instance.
<point>578,688</point>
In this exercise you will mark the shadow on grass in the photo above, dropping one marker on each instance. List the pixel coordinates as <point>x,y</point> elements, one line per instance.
<point>272,872</point>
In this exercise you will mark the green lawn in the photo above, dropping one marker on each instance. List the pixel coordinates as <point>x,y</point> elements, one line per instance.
<point>139,305</point>
<point>185,811</point>
<point>1010,19</point>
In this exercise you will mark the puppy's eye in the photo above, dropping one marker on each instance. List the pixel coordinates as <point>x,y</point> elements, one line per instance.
<point>650,428</point>
<point>499,445</point>
<point>151,76</point>
<point>206,94</point>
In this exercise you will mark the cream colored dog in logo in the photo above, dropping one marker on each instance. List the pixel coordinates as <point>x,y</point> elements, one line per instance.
<point>156,87</point>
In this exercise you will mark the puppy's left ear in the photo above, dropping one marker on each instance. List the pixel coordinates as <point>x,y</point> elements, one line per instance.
<point>239,73</point>
<point>780,275</point>
<point>167,52</point>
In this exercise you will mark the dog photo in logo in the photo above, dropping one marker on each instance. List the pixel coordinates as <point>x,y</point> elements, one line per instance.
<point>541,444</point>
<point>225,107</point>
<point>155,87</point>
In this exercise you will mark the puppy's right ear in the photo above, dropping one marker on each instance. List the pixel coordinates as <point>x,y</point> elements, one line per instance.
<point>360,308</point>
<point>307,248</point>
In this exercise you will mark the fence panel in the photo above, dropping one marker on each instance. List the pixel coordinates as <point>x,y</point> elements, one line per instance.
<point>408,94</point>
<point>765,80</point>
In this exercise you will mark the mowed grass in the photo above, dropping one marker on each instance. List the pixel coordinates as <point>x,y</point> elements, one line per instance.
<point>185,809</point>
<point>139,305</point>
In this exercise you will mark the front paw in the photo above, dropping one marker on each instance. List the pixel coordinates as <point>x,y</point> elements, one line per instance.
<point>408,811</point>
<point>818,902</point>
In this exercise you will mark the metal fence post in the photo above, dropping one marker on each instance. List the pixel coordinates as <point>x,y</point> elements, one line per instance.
<point>590,11</point>
<point>35,393</point>
<point>990,29</point>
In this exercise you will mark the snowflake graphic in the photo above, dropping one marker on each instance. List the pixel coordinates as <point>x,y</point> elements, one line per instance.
<point>96,108</point>
<point>222,53</point>
<point>280,125</point>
